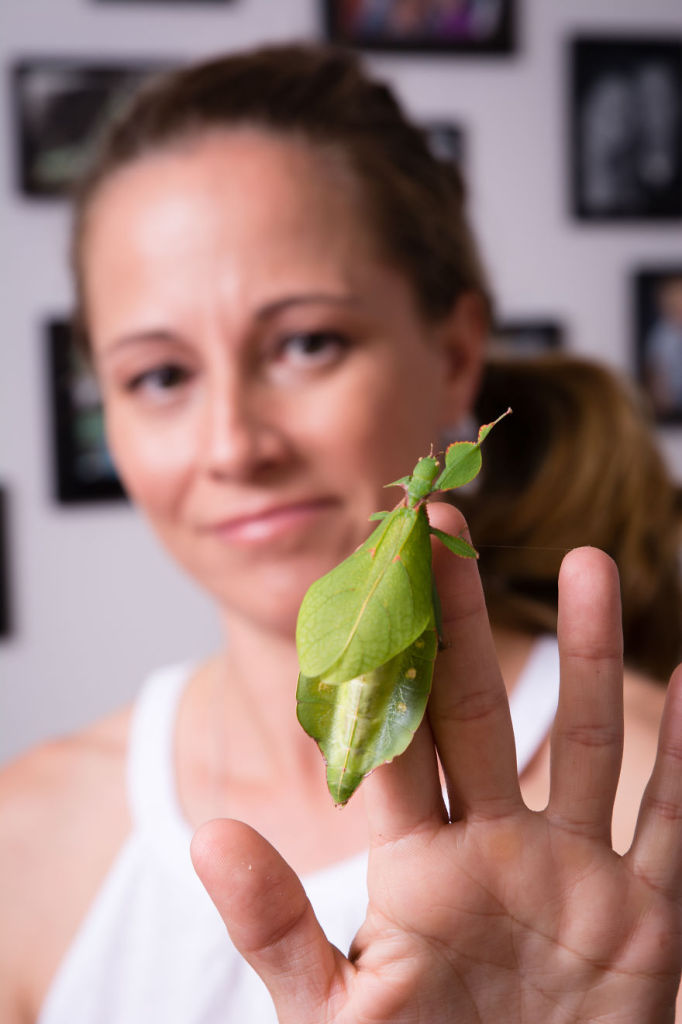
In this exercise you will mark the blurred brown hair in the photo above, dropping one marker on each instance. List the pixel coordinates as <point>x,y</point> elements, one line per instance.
<point>575,464</point>
<point>414,201</point>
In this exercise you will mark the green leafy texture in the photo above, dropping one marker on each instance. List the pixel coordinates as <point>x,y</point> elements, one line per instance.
<point>457,545</point>
<point>366,631</point>
<point>372,605</point>
<point>463,459</point>
<point>370,719</point>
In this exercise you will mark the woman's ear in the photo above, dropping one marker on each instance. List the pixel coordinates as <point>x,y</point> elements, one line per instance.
<point>463,335</point>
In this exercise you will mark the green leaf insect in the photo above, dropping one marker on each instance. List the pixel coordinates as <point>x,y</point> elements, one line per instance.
<point>367,632</point>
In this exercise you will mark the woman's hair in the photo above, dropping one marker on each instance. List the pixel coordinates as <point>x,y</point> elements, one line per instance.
<point>414,201</point>
<point>575,464</point>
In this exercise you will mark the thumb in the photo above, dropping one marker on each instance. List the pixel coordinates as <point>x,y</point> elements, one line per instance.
<point>269,918</point>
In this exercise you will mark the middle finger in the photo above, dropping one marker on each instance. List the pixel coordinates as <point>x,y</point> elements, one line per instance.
<point>468,709</point>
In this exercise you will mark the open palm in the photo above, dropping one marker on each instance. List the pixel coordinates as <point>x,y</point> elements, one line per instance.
<point>490,911</point>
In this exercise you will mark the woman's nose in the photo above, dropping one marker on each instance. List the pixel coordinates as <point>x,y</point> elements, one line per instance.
<point>239,438</point>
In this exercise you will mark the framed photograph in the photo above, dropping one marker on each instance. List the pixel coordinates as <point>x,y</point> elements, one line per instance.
<point>60,108</point>
<point>5,611</point>
<point>447,141</point>
<point>424,26</point>
<point>657,296</point>
<point>526,338</point>
<point>626,128</point>
<point>82,467</point>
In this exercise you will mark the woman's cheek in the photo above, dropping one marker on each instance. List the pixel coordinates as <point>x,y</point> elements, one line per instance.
<point>154,464</point>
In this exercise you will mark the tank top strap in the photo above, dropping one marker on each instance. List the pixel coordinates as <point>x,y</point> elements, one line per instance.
<point>152,791</point>
<point>533,701</point>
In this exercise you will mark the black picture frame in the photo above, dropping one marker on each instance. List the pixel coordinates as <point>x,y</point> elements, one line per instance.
<point>526,338</point>
<point>657,309</point>
<point>6,623</point>
<point>625,128</point>
<point>60,106</point>
<point>82,466</point>
<point>480,27</point>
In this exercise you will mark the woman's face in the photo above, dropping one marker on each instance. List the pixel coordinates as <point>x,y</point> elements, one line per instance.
<point>264,372</point>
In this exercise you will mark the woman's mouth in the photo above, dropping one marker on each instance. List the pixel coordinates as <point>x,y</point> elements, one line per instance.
<point>271,522</point>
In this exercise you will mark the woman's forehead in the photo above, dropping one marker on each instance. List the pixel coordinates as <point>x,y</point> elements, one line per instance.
<point>242,165</point>
<point>247,186</point>
<point>234,223</point>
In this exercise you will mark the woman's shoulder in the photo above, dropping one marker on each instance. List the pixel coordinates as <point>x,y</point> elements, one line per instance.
<point>54,781</point>
<point>56,845</point>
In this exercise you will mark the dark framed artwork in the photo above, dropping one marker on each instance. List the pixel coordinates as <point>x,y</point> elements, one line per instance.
<point>82,467</point>
<point>60,108</point>
<point>626,128</point>
<point>657,300</point>
<point>447,141</point>
<point>424,26</point>
<point>527,338</point>
<point>5,609</point>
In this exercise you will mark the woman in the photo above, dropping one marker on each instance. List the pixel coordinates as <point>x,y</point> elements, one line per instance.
<point>286,309</point>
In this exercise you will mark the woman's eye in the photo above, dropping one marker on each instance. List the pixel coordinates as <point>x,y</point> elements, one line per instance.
<point>312,348</point>
<point>158,380</point>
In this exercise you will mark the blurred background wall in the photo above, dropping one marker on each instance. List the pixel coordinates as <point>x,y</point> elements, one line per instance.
<point>94,603</point>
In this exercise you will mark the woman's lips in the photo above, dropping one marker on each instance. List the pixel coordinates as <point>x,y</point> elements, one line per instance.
<point>271,522</point>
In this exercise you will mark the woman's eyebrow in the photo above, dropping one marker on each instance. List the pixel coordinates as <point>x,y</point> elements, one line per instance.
<point>269,309</point>
<point>307,298</point>
<point>151,334</point>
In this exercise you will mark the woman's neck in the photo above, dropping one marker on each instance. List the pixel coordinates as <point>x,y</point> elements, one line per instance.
<point>260,672</point>
<point>238,715</point>
<point>242,753</point>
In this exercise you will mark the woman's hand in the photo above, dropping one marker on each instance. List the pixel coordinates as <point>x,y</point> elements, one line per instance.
<point>495,912</point>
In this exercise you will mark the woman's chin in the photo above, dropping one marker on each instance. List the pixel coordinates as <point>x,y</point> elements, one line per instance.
<point>270,599</point>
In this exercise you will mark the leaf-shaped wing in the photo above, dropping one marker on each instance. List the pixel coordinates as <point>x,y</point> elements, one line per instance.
<point>457,545</point>
<point>370,719</point>
<point>463,459</point>
<point>462,463</point>
<point>371,606</point>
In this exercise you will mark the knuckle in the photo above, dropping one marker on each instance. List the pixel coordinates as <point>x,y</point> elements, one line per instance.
<point>596,653</point>
<point>586,823</point>
<point>591,735</point>
<point>474,705</point>
<point>668,810</point>
<point>670,750</point>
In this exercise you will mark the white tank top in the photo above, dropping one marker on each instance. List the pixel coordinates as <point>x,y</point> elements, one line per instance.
<point>152,948</point>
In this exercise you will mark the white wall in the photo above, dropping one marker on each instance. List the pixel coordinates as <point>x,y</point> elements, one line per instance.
<point>95,602</point>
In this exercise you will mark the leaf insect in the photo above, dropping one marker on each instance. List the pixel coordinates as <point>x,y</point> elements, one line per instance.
<point>367,632</point>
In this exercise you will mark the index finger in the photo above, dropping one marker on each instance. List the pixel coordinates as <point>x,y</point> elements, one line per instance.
<point>468,708</point>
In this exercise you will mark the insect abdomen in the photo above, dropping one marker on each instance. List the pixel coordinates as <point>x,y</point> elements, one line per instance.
<point>370,719</point>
